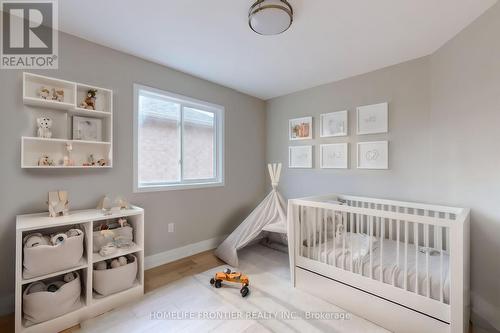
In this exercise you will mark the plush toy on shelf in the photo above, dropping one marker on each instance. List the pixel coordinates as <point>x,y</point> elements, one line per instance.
<point>58,95</point>
<point>45,160</point>
<point>44,92</point>
<point>89,102</point>
<point>44,126</point>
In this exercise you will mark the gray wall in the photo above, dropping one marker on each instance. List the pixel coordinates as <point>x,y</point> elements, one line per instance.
<point>25,191</point>
<point>444,135</point>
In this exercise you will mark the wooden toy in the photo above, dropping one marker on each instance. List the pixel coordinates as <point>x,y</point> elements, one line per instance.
<point>235,277</point>
<point>58,203</point>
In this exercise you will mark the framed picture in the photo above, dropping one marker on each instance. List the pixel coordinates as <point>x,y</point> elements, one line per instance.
<point>373,155</point>
<point>334,124</point>
<point>300,157</point>
<point>88,129</point>
<point>334,156</point>
<point>300,128</point>
<point>372,119</point>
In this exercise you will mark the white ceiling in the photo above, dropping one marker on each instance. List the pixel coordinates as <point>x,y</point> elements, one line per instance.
<point>328,41</point>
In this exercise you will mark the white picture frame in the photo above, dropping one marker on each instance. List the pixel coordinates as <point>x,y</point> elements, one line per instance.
<point>334,124</point>
<point>300,157</point>
<point>334,156</point>
<point>87,129</point>
<point>373,155</point>
<point>372,119</point>
<point>300,128</point>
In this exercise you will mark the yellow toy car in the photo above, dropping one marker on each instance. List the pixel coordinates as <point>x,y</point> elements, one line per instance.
<point>229,276</point>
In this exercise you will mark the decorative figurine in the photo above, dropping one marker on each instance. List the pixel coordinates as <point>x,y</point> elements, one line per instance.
<point>44,93</point>
<point>89,102</point>
<point>45,161</point>
<point>58,95</point>
<point>44,126</point>
<point>58,203</point>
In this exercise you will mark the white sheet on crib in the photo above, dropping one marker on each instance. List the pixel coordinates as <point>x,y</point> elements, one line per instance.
<point>393,272</point>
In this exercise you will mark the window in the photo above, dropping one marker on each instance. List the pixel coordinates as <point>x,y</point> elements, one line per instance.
<point>178,141</point>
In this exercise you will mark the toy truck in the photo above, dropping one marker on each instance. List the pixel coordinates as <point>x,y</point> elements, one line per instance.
<point>234,277</point>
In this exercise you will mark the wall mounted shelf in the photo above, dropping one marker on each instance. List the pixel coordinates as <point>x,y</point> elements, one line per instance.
<point>62,113</point>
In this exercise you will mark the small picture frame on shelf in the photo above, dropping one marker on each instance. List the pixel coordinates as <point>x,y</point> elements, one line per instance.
<point>373,119</point>
<point>334,156</point>
<point>373,155</point>
<point>300,128</point>
<point>334,124</point>
<point>87,129</point>
<point>300,157</point>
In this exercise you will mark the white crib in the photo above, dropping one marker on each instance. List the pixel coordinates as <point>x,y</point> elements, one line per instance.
<point>402,265</point>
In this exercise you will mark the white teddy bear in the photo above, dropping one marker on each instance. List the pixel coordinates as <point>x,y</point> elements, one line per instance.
<point>44,126</point>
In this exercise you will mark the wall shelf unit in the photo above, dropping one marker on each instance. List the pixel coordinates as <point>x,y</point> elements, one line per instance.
<point>63,113</point>
<point>93,304</point>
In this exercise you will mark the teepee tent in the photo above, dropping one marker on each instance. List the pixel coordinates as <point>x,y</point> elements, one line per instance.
<point>270,215</point>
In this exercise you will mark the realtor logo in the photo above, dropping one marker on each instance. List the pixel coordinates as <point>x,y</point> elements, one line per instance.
<point>29,35</point>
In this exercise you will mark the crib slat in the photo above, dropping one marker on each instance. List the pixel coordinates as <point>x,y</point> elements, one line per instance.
<point>344,231</point>
<point>440,242</point>
<point>416,232</point>
<point>351,223</point>
<point>382,236</point>
<point>334,239</point>
<point>302,230</point>
<point>308,228</point>
<point>315,221</point>
<point>427,276</point>
<point>370,234</point>
<point>406,256</point>
<point>325,227</point>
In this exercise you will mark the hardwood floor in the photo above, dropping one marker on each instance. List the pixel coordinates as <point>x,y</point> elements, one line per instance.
<point>153,278</point>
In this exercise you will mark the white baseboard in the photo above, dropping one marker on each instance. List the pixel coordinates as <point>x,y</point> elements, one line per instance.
<point>162,258</point>
<point>6,304</point>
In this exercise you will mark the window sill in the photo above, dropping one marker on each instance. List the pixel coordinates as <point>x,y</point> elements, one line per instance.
<point>174,187</point>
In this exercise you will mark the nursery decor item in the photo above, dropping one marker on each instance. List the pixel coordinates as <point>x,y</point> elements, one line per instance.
<point>47,264</point>
<point>270,215</point>
<point>116,278</point>
<point>45,160</point>
<point>334,156</point>
<point>58,94</point>
<point>334,124</point>
<point>89,102</point>
<point>372,119</point>
<point>58,203</point>
<point>57,102</point>
<point>234,277</point>
<point>373,155</point>
<point>300,128</point>
<point>44,126</point>
<point>35,239</point>
<point>43,92</point>
<point>300,157</point>
<point>88,129</point>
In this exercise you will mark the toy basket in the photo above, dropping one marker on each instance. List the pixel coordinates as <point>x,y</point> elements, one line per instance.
<point>46,259</point>
<point>102,238</point>
<point>45,305</point>
<point>113,280</point>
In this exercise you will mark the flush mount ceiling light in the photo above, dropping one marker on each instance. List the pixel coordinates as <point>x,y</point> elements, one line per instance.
<point>270,17</point>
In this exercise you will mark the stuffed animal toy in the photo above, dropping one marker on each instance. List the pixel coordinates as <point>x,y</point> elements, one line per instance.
<point>36,287</point>
<point>44,126</point>
<point>74,232</point>
<point>115,263</point>
<point>45,161</point>
<point>54,286</point>
<point>108,249</point>
<point>101,265</point>
<point>89,102</point>
<point>44,93</point>
<point>57,239</point>
<point>36,239</point>
<point>123,261</point>
<point>69,277</point>
<point>102,162</point>
<point>58,95</point>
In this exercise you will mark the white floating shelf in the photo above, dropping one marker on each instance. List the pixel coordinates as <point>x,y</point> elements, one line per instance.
<point>33,148</point>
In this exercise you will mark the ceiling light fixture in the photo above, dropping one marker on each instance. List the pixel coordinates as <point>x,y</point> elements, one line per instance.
<point>270,17</point>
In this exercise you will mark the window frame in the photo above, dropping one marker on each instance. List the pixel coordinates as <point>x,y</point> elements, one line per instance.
<point>188,102</point>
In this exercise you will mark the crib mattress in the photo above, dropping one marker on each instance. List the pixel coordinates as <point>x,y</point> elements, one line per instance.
<point>393,271</point>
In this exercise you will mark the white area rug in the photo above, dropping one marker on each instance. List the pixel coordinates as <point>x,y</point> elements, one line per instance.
<point>272,305</point>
